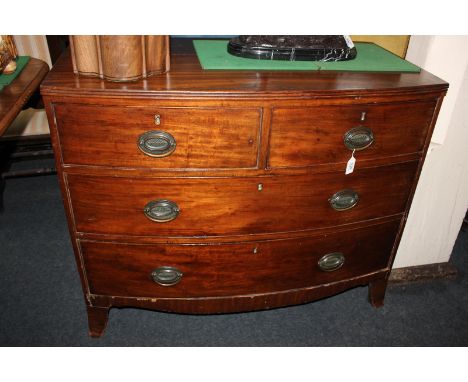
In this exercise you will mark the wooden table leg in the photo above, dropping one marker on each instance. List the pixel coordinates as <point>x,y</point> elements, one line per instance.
<point>377,290</point>
<point>97,320</point>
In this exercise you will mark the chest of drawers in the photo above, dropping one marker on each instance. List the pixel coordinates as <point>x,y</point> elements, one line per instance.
<point>212,191</point>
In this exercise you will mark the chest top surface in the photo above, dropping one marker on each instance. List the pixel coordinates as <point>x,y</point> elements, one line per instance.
<point>187,79</point>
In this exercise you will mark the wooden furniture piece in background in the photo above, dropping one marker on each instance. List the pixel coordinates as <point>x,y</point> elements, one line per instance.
<point>225,191</point>
<point>15,96</point>
<point>120,58</point>
<point>23,140</point>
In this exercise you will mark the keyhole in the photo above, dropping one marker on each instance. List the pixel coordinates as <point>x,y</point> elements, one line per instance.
<point>363,116</point>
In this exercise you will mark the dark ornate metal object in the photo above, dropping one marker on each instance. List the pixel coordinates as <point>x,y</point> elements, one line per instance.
<point>344,200</point>
<point>157,143</point>
<point>331,261</point>
<point>161,211</point>
<point>166,276</point>
<point>293,48</point>
<point>358,138</point>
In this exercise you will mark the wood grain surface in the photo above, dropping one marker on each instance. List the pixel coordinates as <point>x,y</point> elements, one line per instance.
<point>84,54</point>
<point>187,80</point>
<point>119,57</point>
<point>235,206</point>
<point>314,135</point>
<point>157,54</point>
<point>232,269</point>
<point>205,137</point>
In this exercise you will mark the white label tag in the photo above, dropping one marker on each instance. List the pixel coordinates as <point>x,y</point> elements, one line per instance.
<point>349,42</point>
<point>350,164</point>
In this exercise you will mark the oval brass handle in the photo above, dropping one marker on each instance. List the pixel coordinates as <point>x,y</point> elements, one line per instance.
<point>358,138</point>
<point>344,200</point>
<point>166,276</point>
<point>331,261</point>
<point>157,143</point>
<point>161,210</point>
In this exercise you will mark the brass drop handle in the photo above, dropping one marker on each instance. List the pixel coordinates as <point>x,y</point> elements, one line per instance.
<point>166,276</point>
<point>344,200</point>
<point>157,144</point>
<point>331,261</point>
<point>358,138</point>
<point>161,211</point>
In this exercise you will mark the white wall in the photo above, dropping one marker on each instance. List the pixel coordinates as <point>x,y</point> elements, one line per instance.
<point>34,46</point>
<point>441,199</point>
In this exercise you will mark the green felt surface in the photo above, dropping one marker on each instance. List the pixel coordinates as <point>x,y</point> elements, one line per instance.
<point>5,79</point>
<point>213,55</point>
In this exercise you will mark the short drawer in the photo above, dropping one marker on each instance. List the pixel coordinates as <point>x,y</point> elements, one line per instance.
<point>236,206</point>
<point>328,134</point>
<point>157,137</point>
<point>242,268</point>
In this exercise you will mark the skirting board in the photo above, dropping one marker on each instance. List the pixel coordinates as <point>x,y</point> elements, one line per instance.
<point>423,273</point>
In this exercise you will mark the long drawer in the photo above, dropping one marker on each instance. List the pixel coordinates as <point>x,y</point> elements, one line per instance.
<point>328,134</point>
<point>158,137</point>
<point>240,268</point>
<point>236,206</point>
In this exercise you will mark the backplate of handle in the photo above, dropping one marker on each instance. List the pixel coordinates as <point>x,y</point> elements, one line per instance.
<point>358,138</point>
<point>344,200</point>
<point>331,261</point>
<point>166,276</point>
<point>156,143</point>
<point>161,210</point>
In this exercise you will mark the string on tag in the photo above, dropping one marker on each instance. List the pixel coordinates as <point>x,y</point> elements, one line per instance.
<point>350,164</point>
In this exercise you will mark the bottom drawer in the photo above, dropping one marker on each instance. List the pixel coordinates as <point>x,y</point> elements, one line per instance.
<point>235,268</point>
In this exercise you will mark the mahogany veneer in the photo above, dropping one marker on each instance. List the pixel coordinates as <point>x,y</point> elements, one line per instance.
<point>245,171</point>
<point>304,137</point>
<point>213,206</point>
<point>234,268</point>
<point>212,133</point>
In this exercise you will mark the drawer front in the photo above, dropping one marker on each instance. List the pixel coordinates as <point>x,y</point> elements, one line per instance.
<point>230,269</point>
<point>155,137</point>
<point>236,206</point>
<point>316,135</point>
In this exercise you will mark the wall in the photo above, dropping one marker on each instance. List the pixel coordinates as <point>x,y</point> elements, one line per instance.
<point>441,199</point>
<point>34,46</point>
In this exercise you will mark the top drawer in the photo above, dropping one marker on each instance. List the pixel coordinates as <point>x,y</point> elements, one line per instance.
<point>316,135</point>
<point>155,137</point>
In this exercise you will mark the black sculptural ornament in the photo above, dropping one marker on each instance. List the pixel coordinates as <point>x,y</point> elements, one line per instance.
<point>293,48</point>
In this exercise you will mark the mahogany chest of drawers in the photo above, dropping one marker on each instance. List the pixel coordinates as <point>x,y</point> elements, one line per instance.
<point>214,191</point>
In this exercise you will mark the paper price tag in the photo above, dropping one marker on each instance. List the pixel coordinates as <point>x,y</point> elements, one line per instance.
<point>349,42</point>
<point>350,164</point>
